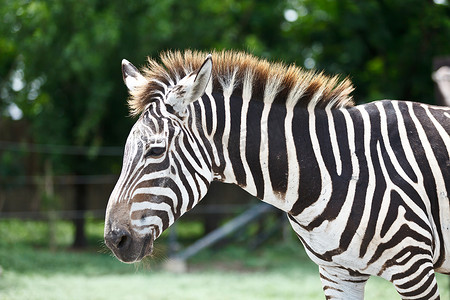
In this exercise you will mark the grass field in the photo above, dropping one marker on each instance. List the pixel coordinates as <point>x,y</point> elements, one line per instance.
<point>275,271</point>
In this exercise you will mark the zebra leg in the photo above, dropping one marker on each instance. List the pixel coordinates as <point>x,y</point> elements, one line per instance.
<point>418,282</point>
<point>337,283</point>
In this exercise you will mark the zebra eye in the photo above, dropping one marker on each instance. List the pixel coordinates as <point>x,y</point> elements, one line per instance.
<point>155,152</point>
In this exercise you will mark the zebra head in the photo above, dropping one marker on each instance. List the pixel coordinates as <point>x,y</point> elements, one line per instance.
<point>164,173</point>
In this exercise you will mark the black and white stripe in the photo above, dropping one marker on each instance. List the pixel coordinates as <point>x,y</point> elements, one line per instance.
<point>365,187</point>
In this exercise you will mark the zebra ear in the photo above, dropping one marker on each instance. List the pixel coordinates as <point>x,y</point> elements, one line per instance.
<point>190,88</point>
<point>131,76</point>
<point>201,79</point>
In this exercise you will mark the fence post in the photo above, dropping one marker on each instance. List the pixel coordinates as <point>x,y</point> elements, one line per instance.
<point>178,262</point>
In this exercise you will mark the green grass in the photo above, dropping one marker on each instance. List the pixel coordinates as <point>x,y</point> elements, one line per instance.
<point>275,271</point>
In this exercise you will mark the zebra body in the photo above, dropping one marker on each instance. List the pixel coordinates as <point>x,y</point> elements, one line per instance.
<point>364,187</point>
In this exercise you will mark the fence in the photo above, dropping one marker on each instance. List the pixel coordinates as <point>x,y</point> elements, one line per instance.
<point>21,197</point>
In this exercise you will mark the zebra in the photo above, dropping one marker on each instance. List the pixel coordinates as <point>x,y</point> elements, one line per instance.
<point>365,187</point>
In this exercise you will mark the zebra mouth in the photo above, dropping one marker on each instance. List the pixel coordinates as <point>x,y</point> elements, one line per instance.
<point>147,247</point>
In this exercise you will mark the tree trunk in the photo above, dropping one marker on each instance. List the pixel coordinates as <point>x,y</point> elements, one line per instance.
<point>80,220</point>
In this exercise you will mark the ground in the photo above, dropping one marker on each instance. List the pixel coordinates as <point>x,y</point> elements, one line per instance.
<point>278,270</point>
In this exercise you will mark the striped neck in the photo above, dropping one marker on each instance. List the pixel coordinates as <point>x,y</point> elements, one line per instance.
<point>263,147</point>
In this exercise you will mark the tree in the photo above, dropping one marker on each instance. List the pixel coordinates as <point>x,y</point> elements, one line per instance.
<point>386,47</point>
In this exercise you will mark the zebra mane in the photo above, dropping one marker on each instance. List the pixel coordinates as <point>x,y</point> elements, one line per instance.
<point>241,74</point>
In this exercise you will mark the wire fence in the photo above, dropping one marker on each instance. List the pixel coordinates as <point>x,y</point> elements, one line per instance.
<point>100,213</point>
<point>60,180</point>
<point>17,192</point>
<point>20,185</point>
<point>61,149</point>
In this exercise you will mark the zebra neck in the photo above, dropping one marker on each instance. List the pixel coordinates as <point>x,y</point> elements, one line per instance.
<point>272,151</point>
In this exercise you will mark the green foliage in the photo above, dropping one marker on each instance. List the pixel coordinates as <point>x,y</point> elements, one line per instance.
<point>60,60</point>
<point>22,233</point>
<point>386,47</point>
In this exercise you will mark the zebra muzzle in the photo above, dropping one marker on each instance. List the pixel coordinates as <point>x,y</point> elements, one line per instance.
<point>128,247</point>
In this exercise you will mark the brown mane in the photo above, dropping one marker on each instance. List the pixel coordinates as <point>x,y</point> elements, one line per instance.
<point>237,67</point>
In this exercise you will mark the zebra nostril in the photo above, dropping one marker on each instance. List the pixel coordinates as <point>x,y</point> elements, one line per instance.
<point>118,239</point>
<point>123,242</point>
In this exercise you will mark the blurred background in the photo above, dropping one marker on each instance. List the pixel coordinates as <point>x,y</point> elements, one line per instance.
<point>64,122</point>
